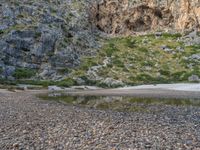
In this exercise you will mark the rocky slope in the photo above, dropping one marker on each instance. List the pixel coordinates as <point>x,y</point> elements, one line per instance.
<point>47,39</point>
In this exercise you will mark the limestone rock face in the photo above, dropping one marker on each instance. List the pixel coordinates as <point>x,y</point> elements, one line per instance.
<point>126,16</point>
<point>46,36</point>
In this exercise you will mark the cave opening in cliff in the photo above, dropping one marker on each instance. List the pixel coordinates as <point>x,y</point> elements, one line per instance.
<point>116,18</point>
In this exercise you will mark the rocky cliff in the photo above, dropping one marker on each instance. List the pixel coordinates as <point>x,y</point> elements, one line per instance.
<point>46,36</point>
<point>127,16</point>
<point>50,37</point>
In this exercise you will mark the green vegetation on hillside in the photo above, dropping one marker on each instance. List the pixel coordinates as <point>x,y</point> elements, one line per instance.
<point>144,59</point>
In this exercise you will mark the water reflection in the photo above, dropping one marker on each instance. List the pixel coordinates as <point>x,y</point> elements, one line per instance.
<point>120,103</point>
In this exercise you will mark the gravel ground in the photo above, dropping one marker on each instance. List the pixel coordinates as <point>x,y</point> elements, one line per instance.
<point>29,123</point>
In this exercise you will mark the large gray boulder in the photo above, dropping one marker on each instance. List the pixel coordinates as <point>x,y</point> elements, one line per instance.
<point>7,72</point>
<point>112,82</point>
<point>194,78</point>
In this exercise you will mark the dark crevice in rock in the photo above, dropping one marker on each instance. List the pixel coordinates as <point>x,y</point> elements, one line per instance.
<point>122,16</point>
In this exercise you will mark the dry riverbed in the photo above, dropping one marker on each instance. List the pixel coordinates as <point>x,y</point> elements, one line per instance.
<point>28,122</point>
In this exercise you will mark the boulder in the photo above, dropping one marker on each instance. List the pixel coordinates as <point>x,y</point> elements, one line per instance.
<point>54,88</point>
<point>194,78</point>
<point>195,57</point>
<point>166,48</point>
<point>158,34</point>
<point>9,70</point>
<point>180,49</point>
<point>112,82</point>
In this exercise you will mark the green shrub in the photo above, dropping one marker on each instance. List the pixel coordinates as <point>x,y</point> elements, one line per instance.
<point>66,82</point>
<point>174,36</point>
<point>118,63</point>
<point>22,15</point>
<point>151,36</point>
<point>164,72</point>
<point>87,63</point>
<point>179,76</point>
<point>147,63</point>
<point>144,77</point>
<point>160,79</point>
<point>143,49</point>
<point>1,70</point>
<point>132,78</point>
<point>7,82</point>
<point>88,81</point>
<point>148,79</point>
<point>186,75</point>
<point>110,49</point>
<point>38,35</point>
<point>23,73</point>
<point>196,70</point>
<point>102,85</point>
<point>103,106</point>
<point>44,83</point>
<point>130,42</point>
<point>63,71</point>
<point>1,32</point>
<point>68,40</point>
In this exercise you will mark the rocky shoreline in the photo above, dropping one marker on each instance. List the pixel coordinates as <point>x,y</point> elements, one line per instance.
<point>30,123</point>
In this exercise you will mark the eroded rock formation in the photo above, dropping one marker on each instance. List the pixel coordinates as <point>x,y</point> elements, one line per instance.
<point>126,16</point>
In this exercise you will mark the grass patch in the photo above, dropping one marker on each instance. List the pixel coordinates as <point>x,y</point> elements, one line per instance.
<point>7,82</point>
<point>44,83</point>
<point>165,72</point>
<point>118,63</point>
<point>130,42</point>
<point>173,36</point>
<point>66,82</point>
<point>23,73</point>
<point>110,49</point>
<point>88,62</point>
<point>143,49</point>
